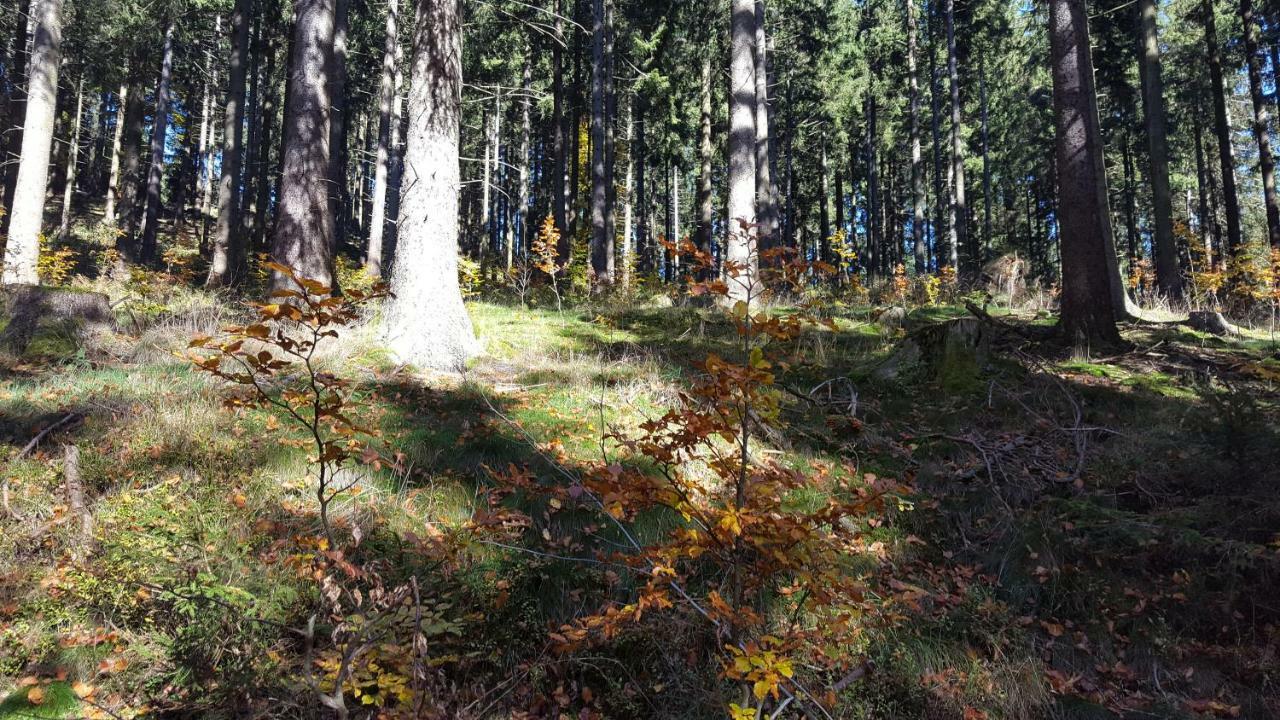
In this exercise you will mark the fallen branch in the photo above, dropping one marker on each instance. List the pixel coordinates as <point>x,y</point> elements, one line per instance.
<point>44,433</point>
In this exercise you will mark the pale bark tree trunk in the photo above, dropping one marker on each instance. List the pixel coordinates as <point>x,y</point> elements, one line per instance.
<point>426,322</point>
<point>740,245</point>
<point>601,233</point>
<point>113,176</point>
<point>959,209</point>
<point>941,246</point>
<point>560,144</point>
<point>1166,252</point>
<point>980,251</point>
<point>705,149</point>
<point>224,266</point>
<point>73,157</point>
<point>1261,123</point>
<point>766,189</point>
<point>824,193</point>
<point>205,167</point>
<point>388,122</point>
<point>1088,308</point>
<point>22,250</point>
<point>159,131</point>
<point>917,161</point>
<point>520,231</point>
<point>304,226</point>
<point>1222,128</point>
<point>628,230</point>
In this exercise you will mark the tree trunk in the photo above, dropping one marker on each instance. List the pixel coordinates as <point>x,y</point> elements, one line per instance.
<point>979,252</point>
<point>873,191</point>
<point>388,122</point>
<point>519,232</point>
<point>766,189</point>
<point>223,268</point>
<point>917,161</point>
<point>117,139</point>
<point>73,156</point>
<point>1165,251</point>
<point>705,148</point>
<point>628,209</point>
<point>1261,129</point>
<point>1222,127</point>
<point>959,209</point>
<point>601,233</point>
<point>1202,189</point>
<point>740,246</point>
<point>560,138</point>
<point>824,193</point>
<point>22,250</point>
<point>304,225</point>
<point>159,132</point>
<point>265,169</point>
<point>941,246</point>
<point>1088,309</point>
<point>426,273</point>
<point>130,164</point>
<point>204,164</point>
<point>338,124</point>
<point>11,133</point>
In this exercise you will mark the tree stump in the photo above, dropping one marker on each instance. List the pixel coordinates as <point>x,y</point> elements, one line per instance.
<point>33,310</point>
<point>1211,322</point>
<point>951,353</point>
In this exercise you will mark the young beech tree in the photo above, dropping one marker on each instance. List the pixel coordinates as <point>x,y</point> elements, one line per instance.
<point>304,226</point>
<point>1088,304</point>
<point>23,248</point>
<point>426,323</point>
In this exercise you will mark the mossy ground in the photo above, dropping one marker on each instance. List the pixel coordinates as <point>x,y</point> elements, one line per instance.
<point>1119,514</point>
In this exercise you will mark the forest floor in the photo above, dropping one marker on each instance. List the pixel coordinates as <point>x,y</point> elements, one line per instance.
<point>1090,538</point>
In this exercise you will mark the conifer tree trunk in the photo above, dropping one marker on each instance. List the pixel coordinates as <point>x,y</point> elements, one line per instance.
<point>11,133</point>
<point>628,209</point>
<point>601,233</point>
<point>1088,309</point>
<point>388,120</point>
<point>520,231</point>
<point>22,250</point>
<point>73,157</point>
<point>703,231</point>
<point>740,245</point>
<point>560,136</point>
<point>425,273</point>
<point>1222,128</point>
<point>228,235</point>
<point>941,246</point>
<point>1155,123</point>
<point>304,226</point>
<point>267,120</point>
<point>113,174</point>
<point>959,213</point>
<point>159,132</point>
<point>917,161</point>
<point>766,188</point>
<point>824,215</point>
<point>338,123</point>
<point>979,252</point>
<point>130,164</point>
<point>1261,123</point>
<point>204,166</point>
<point>873,191</point>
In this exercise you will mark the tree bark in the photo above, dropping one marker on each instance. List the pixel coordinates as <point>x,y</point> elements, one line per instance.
<point>705,149</point>
<point>228,238</point>
<point>130,164</point>
<point>941,246</point>
<point>1165,250</point>
<point>425,275</point>
<point>117,139</point>
<point>873,191</point>
<point>740,245</point>
<point>1222,127</point>
<point>205,164</point>
<point>73,157</point>
<point>338,124</point>
<point>159,131</point>
<point>959,209</point>
<point>1261,123</point>
<point>388,122</point>
<point>304,226</point>
<point>766,189</point>
<point>22,250</point>
<point>601,233</point>
<point>980,251</point>
<point>1088,309</point>
<point>519,231</point>
<point>917,161</point>
<point>11,135</point>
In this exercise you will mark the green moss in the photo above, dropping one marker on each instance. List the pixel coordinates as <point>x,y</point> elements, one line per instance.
<point>59,702</point>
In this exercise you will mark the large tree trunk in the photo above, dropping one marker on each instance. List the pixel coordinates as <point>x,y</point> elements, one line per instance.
<point>1166,252</point>
<point>1261,123</point>
<point>159,131</point>
<point>601,232</point>
<point>388,122</point>
<point>917,161</point>
<point>1088,308</point>
<point>304,226</point>
<point>703,231</point>
<point>740,245</point>
<point>223,268</point>
<point>425,275</point>
<point>766,189</point>
<point>22,251</point>
<point>959,209</point>
<point>73,157</point>
<point>1222,127</point>
<point>204,163</point>
<point>130,164</point>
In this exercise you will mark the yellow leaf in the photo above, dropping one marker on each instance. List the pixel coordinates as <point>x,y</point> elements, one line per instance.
<point>737,712</point>
<point>35,695</point>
